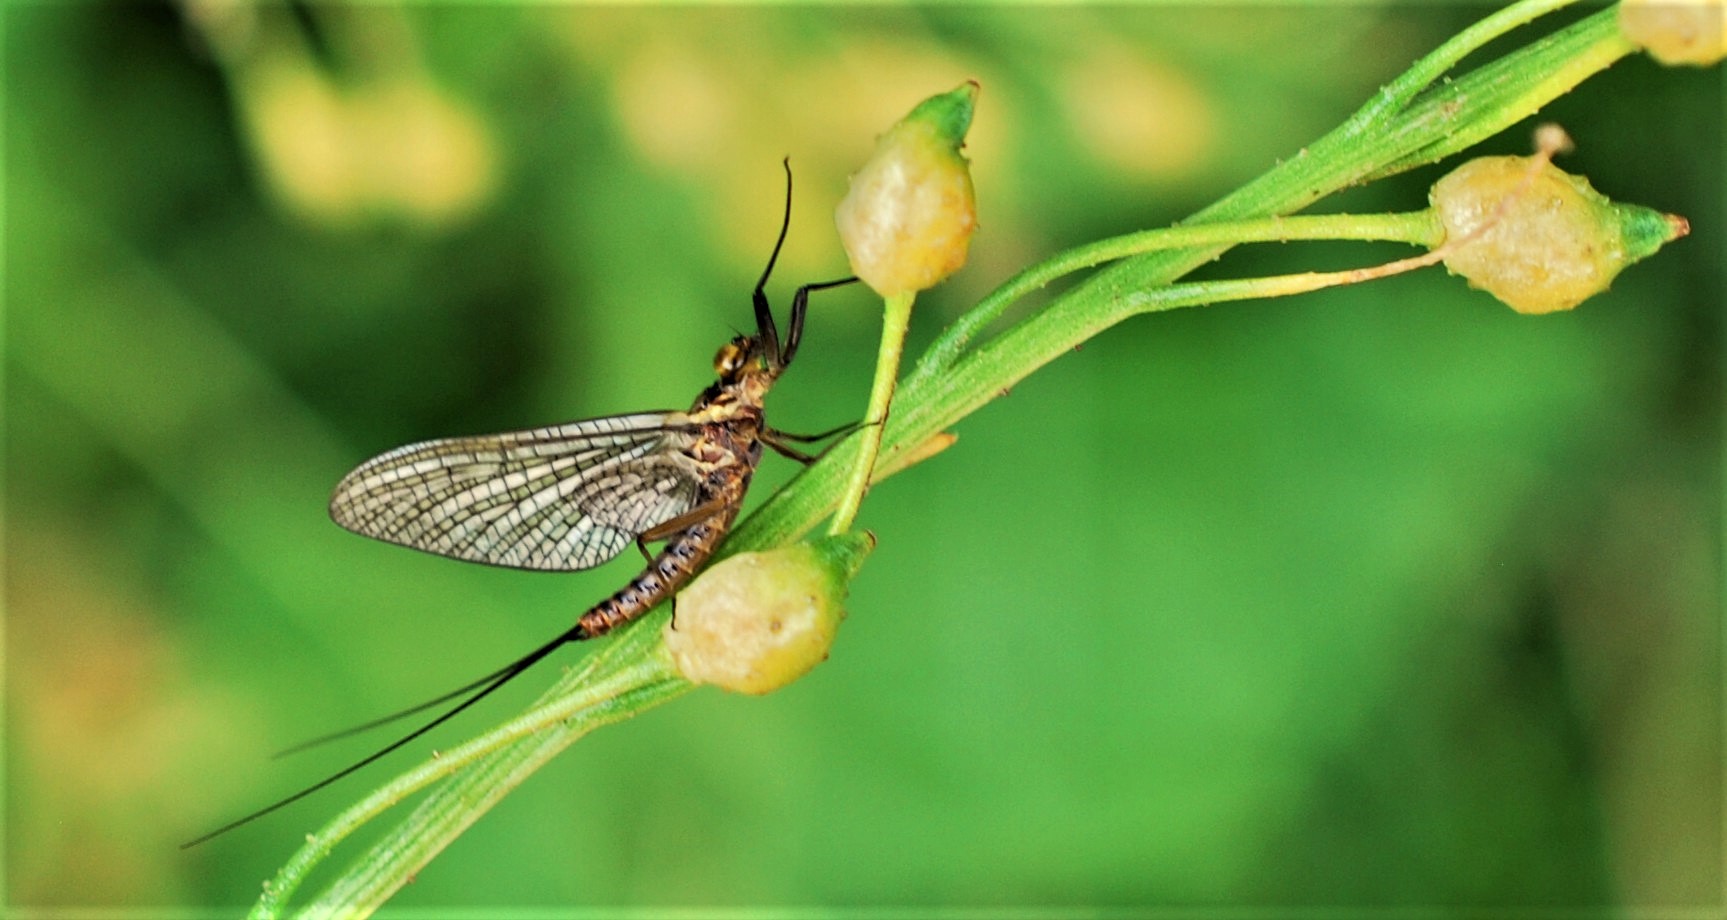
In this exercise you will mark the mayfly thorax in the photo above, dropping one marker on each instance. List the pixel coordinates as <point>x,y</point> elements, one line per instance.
<point>572,496</point>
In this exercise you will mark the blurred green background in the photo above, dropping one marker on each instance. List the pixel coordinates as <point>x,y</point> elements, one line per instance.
<point>1384,597</point>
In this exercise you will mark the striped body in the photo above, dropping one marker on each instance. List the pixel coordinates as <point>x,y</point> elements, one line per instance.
<point>732,452</point>
<point>572,496</point>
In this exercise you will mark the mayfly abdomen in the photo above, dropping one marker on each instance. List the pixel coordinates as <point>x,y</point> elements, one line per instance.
<point>664,575</point>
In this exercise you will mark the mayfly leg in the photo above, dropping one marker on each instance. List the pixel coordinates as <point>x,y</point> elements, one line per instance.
<point>800,305</point>
<point>677,526</point>
<point>777,439</point>
<point>845,429</point>
<point>765,328</point>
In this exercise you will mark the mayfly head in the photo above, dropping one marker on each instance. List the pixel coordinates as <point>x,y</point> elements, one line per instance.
<point>744,355</point>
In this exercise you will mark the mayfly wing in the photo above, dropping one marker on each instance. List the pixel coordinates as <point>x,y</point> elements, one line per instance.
<point>560,498</point>
<point>641,493</point>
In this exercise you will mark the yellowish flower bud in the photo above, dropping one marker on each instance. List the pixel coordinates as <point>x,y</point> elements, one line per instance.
<point>907,221</point>
<point>758,621</point>
<point>1677,31</point>
<point>1540,239</point>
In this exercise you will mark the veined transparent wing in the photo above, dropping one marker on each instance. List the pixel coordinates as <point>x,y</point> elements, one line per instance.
<point>560,498</point>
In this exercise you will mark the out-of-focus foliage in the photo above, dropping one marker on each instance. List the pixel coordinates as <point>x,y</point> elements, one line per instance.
<point>1380,597</point>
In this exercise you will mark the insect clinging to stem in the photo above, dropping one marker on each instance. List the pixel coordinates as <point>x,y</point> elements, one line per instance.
<point>569,497</point>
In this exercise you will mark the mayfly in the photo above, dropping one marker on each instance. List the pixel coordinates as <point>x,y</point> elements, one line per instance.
<point>572,496</point>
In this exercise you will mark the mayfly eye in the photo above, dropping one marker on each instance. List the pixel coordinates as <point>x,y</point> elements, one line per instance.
<point>726,359</point>
<point>730,358</point>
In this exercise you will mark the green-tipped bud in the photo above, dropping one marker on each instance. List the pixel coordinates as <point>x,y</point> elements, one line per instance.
<point>758,621</point>
<point>1541,239</point>
<point>908,219</point>
<point>1677,31</point>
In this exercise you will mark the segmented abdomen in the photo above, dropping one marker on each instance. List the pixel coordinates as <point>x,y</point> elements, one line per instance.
<point>665,574</point>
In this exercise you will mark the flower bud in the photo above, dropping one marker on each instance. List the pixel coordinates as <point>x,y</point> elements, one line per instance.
<point>1540,239</point>
<point>758,621</point>
<point>907,221</point>
<point>1677,31</point>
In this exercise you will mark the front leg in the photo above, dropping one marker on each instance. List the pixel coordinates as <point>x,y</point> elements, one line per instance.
<point>668,529</point>
<point>777,440</point>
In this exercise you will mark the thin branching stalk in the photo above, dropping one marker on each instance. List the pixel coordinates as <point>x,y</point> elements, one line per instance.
<point>895,322</point>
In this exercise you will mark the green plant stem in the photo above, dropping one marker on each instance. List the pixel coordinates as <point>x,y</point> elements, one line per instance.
<point>630,675</point>
<point>896,319</point>
<point>1387,131</point>
<point>1500,88</point>
<point>1419,228</point>
<point>1399,93</point>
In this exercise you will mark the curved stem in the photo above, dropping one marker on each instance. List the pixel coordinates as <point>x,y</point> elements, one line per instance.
<point>1418,228</point>
<point>617,681</point>
<point>895,320</point>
